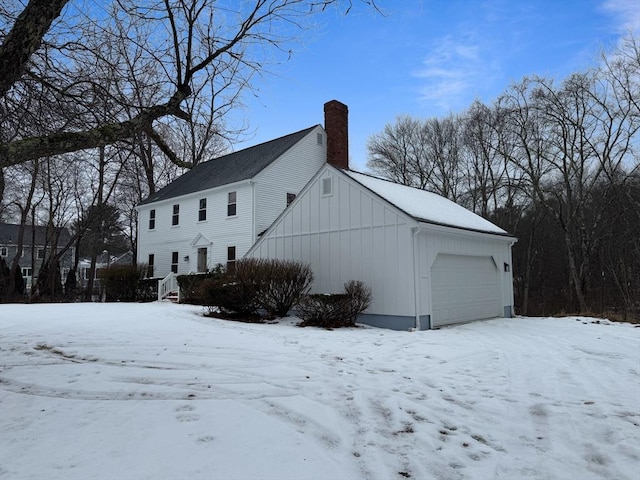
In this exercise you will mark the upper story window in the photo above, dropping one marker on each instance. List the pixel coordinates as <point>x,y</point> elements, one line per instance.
<point>231,205</point>
<point>40,253</point>
<point>202,210</point>
<point>319,138</point>
<point>175,218</point>
<point>152,219</point>
<point>4,252</point>
<point>290,198</point>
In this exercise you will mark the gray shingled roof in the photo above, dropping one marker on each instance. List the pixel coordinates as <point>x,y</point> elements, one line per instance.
<point>9,234</point>
<point>231,168</point>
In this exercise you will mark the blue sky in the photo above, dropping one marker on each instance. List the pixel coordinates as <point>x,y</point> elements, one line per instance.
<point>427,58</point>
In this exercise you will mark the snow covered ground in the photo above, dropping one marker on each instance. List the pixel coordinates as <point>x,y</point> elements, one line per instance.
<point>157,391</point>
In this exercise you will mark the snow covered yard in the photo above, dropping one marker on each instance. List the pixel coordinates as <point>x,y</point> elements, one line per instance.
<point>157,391</point>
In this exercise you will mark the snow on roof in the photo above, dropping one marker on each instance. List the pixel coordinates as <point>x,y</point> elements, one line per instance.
<point>425,206</point>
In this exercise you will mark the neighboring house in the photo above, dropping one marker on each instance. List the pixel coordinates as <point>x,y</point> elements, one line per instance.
<point>104,260</point>
<point>37,246</point>
<point>429,262</point>
<point>214,213</point>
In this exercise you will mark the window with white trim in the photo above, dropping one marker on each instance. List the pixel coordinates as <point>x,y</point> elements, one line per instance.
<point>202,210</point>
<point>232,205</point>
<point>152,219</point>
<point>152,259</point>
<point>4,252</point>
<point>175,217</point>
<point>231,259</point>
<point>327,187</point>
<point>174,262</point>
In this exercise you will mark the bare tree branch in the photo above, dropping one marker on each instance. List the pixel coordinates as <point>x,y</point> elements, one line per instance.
<point>25,38</point>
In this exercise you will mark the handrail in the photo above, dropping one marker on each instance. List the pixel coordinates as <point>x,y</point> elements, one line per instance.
<point>168,285</point>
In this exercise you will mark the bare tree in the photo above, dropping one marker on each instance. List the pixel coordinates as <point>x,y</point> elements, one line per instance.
<point>191,43</point>
<point>400,154</point>
<point>419,153</point>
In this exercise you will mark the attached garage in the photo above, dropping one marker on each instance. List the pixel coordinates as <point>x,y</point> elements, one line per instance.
<point>429,262</point>
<point>464,288</point>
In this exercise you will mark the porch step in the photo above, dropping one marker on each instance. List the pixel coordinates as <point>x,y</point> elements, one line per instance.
<point>172,297</point>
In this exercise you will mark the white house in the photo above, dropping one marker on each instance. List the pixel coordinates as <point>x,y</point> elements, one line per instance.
<point>215,212</point>
<point>428,261</point>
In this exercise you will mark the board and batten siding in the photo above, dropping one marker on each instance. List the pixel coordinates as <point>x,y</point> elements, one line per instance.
<point>347,235</point>
<point>216,233</point>
<point>287,174</point>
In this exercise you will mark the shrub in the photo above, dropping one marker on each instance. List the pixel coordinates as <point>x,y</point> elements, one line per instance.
<point>335,310</point>
<point>121,282</point>
<point>278,284</point>
<point>272,285</point>
<point>222,290</point>
<point>147,290</point>
<point>191,285</point>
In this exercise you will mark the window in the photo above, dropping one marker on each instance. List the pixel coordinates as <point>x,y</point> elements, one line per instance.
<point>231,259</point>
<point>152,219</point>
<point>202,210</point>
<point>175,218</point>
<point>152,259</point>
<point>319,138</point>
<point>174,262</point>
<point>40,253</point>
<point>4,251</point>
<point>326,186</point>
<point>231,206</point>
<point>290,198</point>
<point>26,272</point>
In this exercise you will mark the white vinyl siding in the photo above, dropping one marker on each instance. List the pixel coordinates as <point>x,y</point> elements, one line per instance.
<point>257,203</point>
<point>354,234</point>
<point>219,230</point>
<point>288,174</point>
<point>343,244</point>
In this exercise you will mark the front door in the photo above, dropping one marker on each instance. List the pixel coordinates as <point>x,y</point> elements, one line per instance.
<point>202,260</point>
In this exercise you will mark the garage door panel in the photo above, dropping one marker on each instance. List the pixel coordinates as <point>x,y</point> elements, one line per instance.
<point>463,288</point>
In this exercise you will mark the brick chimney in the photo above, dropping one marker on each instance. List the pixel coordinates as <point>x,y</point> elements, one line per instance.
<point>336,124</point>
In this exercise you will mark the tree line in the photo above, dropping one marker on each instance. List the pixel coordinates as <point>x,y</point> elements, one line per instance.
<point>103,103</point>
<point>557,164</point>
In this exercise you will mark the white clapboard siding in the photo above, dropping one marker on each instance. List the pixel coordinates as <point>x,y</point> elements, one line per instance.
<point>220,230</point>
<point>287,174</point>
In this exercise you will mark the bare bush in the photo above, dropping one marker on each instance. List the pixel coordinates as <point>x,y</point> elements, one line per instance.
<point>335,310</point>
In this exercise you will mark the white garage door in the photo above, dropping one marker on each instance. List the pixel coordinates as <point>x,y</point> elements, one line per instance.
<point>464,288</point>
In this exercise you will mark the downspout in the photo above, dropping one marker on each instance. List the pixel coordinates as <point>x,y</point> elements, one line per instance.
<point>254,233</point>
<point>416,277</point>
